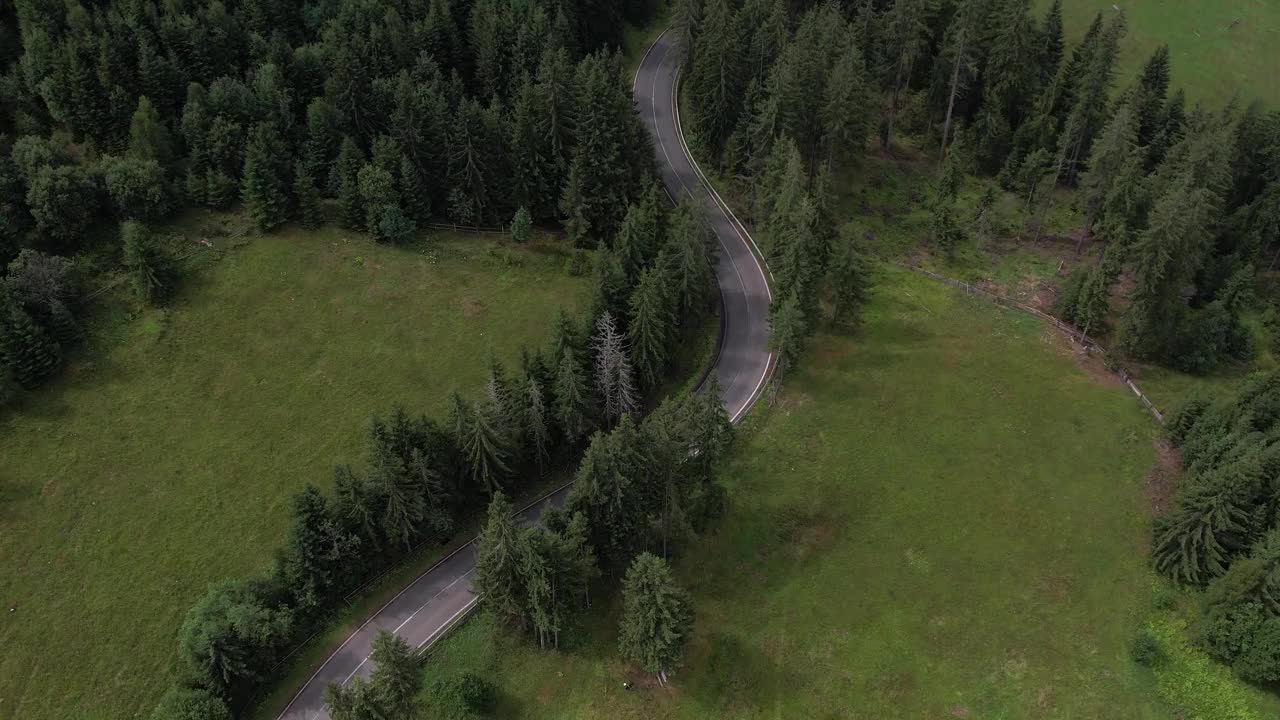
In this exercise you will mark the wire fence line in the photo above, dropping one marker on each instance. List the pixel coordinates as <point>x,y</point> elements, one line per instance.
<point>1071,331</point>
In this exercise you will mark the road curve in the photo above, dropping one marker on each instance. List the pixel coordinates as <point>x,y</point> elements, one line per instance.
<point>440,597</point>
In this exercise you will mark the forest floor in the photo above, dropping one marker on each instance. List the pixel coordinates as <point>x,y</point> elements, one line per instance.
<point>1219,49</point>
<point>164,456</point>
<point>943,516</point>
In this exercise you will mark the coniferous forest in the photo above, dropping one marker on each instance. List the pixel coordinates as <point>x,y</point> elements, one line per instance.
<point>1182,201</point>
<point>114,115</point>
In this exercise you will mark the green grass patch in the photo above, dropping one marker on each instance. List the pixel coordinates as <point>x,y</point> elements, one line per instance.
<point>165,455</point>
<point>942,516</point>
<point>1219,50</point>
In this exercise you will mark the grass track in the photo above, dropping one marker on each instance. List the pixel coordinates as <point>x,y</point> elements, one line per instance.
<point>167,459</point>
<point>942,517</point>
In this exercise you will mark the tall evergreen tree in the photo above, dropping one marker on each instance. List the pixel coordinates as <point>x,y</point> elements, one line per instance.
<point>1114,148</point>
<point>25,349</point>
<point>265,187</point>
<point>346,183</point>
<point>148,137</point>
<point>572,398</point>
<point>307,194</point>
<point>537,428</point>
<point>1053,43</point>
<point>1153,89</point>
<point>716,78</point>
<point>498,553</point>
<point>151,270</point>
<point>657,617</point>
<point>480,436</point>
<point>652,324</point>
<point>908,33</point>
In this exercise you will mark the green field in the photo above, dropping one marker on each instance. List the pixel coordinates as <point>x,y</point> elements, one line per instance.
<point>1212,58</point>
<point>944,516</point>
<point>165,456</point>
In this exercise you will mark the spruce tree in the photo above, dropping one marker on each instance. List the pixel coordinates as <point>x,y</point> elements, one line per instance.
<point>307,194</point>
<point>27,352</point>
<point>962,44</point>
<point>521,225</point>
<point>1053,43</point>
<point>397,676</point>
<point>1114,148</point>
<point>1153,87</point>
<point>715,80</point>
<point>657,617</point>
<point>1010,80</point>
<point>689,240</point>
<point>572,398</point>
<point>151,270</point>
<point>908,34</point>
<point>851,281</point>
<point>480,436</point>
<point>346,182</point>
<point>787,331</point>
<point>652,325</point>
<point>148,137</point>
<point>498,553</point>
<point>265,187</point>
<point>536,428</point>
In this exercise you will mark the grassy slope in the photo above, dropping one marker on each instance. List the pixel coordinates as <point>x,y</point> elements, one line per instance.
<point>943,514</point>
<point>1211,60</point>
<point>167,461</point>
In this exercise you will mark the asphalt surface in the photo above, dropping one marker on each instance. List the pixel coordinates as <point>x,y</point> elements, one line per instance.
<point>429,606</point>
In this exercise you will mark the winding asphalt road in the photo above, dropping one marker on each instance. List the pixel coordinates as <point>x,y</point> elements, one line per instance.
<point>440,597</point>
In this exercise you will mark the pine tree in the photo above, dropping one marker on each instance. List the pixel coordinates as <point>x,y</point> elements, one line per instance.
<point>148,137</point>
<point>414,198</point>
<point>908,32</point>
<point>1153,87</point>
<point>307,194</point>
<point>404,505</point>
<point>537,430</point>
<point>787,331</point>
<point>962,43</point>
<point>487,452</point>
<point>612,489</point>
<point>27,352</point>
<point>851,281</point>
<point>657,617</point>
<point>652,324</point>
<point>572,398</point>
<point>637,240</point>
<point>521,225</point>
<point>151,270</point>
<point>396,677</point>
<point>265,188</point>
<point>715,80</point>
<point>1089,98</point>
<point>689,241</point>
<point>498,553</point>
<point>1009,80</point>
<point>346,183</point>
<point>1053,43</point>
<point>1115,146</point>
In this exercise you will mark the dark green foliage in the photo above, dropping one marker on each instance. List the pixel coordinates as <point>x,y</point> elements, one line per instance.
<point>689,242</point>
<point>652,327</point>
<point>191,704</point>
<point>137,188</point>
<point>306,195</point>
<point>788,329</point>
<point>657,616</point>
<point>346,184</point>
<point>30,354</point>
<point>1145,649</point>
<point>480,435</point>
<point>717,79</point>
<point>389,692</point>
<point>850,283</point>
<point>521,225</point>
<point>463,697</point>
<point>233,635</point>
<point>265,188</point>
<point>499,550</point>
<point>573,407</point>
<point>151,270</point>
<point>149,139</point>
<point>65,202</point>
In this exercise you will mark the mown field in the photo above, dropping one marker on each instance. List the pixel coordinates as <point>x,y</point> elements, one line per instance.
<point>165,455</point>
<point>944,516</point>
<point>1218,49</point>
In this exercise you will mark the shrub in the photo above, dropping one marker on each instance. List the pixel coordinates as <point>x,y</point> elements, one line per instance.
<point>464,696</point>
<point>1145,649</point>
<point>181,703</point>
<point>579,263</point>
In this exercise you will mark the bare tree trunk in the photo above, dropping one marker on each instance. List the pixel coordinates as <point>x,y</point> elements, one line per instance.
<point>951,99</point>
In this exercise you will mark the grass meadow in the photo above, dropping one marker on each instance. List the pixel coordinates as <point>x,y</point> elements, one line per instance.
<point>1218,49</point>
<point>944,515</point>
<point>165,455</point>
